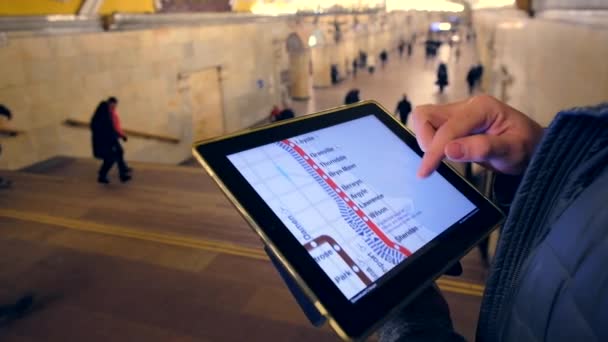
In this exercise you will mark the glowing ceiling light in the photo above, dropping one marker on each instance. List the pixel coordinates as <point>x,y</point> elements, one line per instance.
<point>423,5</point>
<point>445,26</point>
<point>273,9</point>
<point>492,3</point>
<point>511,25</point>
<point>279,7</point>
<point>312,41</point>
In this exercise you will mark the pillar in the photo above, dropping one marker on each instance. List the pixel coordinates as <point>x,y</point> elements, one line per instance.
<point>299,77</point>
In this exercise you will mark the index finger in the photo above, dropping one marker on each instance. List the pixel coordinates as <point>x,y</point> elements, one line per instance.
<point>463,118</point>
<point>425,120</point>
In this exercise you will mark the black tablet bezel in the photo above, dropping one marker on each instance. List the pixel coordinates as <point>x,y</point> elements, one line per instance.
<point>355,319</point>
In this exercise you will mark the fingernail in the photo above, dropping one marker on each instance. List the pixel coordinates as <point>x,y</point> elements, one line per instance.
<point>421,174</point>
<point>454,151</point>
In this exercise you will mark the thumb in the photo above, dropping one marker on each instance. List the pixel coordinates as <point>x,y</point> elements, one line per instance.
<point>477,148</point>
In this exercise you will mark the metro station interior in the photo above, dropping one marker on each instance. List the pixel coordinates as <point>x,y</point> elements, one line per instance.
<point>161,254</point>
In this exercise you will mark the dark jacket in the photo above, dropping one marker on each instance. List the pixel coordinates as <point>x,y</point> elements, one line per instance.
<point>404,107</point>
<point>104,135</point>
<point>352,97</point>
<point>286,114</point>
<point>442,75</point>
<point>472,76</point>
<point>549,278</point>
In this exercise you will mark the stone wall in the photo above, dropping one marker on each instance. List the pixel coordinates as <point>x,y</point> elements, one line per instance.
<point>47,79</point>
<point>540,5</point>
<point>551,64</point>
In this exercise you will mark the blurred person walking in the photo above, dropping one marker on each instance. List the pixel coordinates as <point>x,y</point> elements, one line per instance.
<point>404,108</point>
<point>442,77</point>
<point>106,130</point>
<point>352,97</point>
<point>401,48</point>
<point>383,58</point>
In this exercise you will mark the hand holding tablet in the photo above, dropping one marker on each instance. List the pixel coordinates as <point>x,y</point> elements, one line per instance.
<point>336,198</point>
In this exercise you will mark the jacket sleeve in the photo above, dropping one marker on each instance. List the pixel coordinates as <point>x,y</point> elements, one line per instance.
<point>504,188</point>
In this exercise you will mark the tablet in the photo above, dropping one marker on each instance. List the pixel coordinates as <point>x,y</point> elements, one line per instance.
<point>335,197</point>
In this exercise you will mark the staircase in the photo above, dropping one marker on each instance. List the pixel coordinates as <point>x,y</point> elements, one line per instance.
<point>163,257</point>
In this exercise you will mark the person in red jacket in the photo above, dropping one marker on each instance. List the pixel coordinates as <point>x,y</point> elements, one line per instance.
<point>274,113</point>
<point>105,126</point>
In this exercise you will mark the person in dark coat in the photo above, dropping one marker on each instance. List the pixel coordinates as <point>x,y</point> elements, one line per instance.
<point>106,131</point>
<point>4,111</point>
<point>352,97</point>
<point>274,113</point>
<point>286,114</point>
<point>442,77</point>
<point>362,59</point>
<point>334,74</point>
<point>401,47</point>
<point>404,108</point>
<point>383,58</point>
<point>410,49</point>
<point>472,79</point>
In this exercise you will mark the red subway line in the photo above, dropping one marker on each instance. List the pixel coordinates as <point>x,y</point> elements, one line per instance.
<point>368,221</point>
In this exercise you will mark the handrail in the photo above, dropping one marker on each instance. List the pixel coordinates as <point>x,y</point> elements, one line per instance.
<point>50,24</point>
<point>11,132</point>
<point>130,132</point>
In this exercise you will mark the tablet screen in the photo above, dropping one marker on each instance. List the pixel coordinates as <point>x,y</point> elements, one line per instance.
<point>349,194</point>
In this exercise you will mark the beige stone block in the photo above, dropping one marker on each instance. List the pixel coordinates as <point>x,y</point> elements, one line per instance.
<point>43,70</point>
<point>94,43</point>
<point>181,35</point>
<point>74,141</point>
<point>85,103</point>
<point>13,74</point>
<point>69,90</point>
<point>63,69</point>
<point>19,101</point>
<point>147,38</point>
<point>163,36</point>
<point>120,76</point>
<point>156,87</point>
<point>64,46</point>
<point>10,54</point>
<point>129,91</point>
<point>172,52</point>
<point>47,114</point>
<point>39,93</point>
<point>74,66</point>
<point>156,69</point>
<point>150,55</point>
<point>132,58</point>
<point>129,40</point>
<point>99,82</point>
<point>140,74</point>
<point>104,62</point>
<point>17,152</point>
<point>34,48</point>
<point>45,141</point>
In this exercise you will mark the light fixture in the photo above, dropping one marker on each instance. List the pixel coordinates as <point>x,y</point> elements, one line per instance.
<point>312,41</point>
